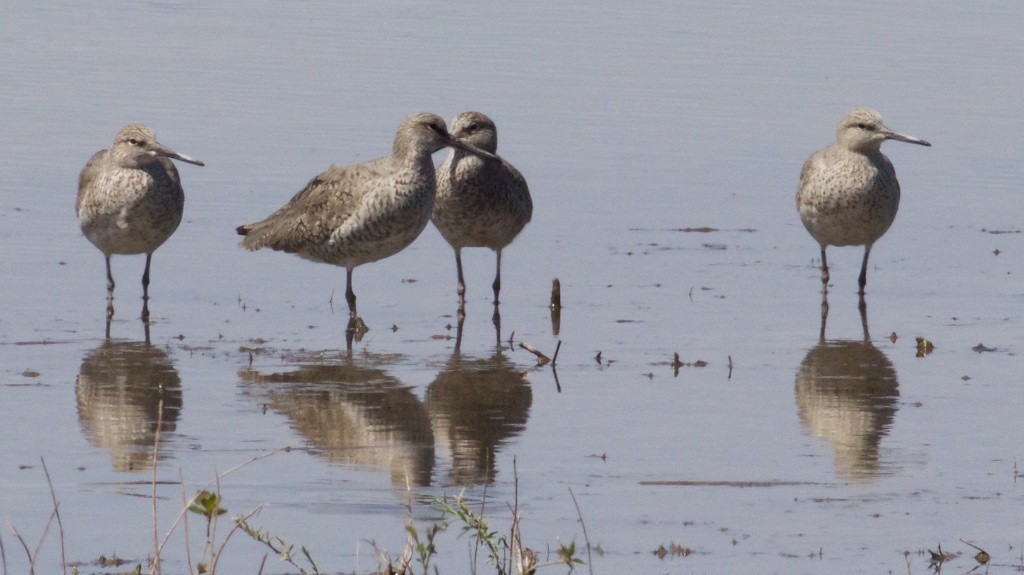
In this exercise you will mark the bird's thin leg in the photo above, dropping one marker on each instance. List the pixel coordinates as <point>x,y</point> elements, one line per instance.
<point>110,280</point>
<point>863,279</point>
<point>145,289</point>
<point>497,279</point>
<point>350,296</point>
<point>145,278</point>
<point>461,288</point>
<point>350,333</point>
<point>824,268</point>
<point>356,326</point>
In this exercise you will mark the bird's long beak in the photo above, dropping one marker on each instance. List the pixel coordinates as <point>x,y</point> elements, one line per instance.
<point>890,135</point>
<point>160,150</point>
<point>471,149</point>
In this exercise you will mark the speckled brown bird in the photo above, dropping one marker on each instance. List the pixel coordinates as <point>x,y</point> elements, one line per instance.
<point>480,202</point>
<point>130,199</point>
<point>848,193</point>
<point>361,213</point>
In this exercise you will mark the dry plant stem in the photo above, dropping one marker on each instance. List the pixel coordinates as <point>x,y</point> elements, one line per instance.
<point>514,531</point>
<point>184,505</point>
<point>238,524</point>
<point>20,539</point>
<point>3,554</point>
<point>184,508</point>
<point>483,505</point>
<point>56,511</point>
<point>586,539</point>
<point>518,554</point>
<point>155,567</point>
<point>39,545</point>
<point>262,564</point>
<point>32,556</point>
<point>211,524</point>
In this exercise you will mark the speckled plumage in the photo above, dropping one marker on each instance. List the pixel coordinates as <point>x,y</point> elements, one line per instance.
<point>848,193</point>
<point>480,202</point>
<point>361,213</point>
<point>130,198</point>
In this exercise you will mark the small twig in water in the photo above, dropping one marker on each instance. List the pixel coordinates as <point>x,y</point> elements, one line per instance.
<point>541,358</point>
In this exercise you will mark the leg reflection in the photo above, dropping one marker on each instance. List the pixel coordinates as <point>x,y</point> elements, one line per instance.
<point>824,315</point>
<point>496,320</point>
<point>461,317</point>
<point>863,307</point>
<point>352,332</point>
<point>556,306</point>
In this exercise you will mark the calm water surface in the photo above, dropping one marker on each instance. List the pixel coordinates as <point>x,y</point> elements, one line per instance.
<point>632,125</point>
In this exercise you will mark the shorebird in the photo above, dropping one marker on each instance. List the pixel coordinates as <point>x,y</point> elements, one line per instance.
<point>361,213</point>
<point>130,200</point>
<point>480,202</point>
<point>848,193</point>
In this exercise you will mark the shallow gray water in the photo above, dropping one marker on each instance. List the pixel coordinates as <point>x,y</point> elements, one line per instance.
<point>632,126</point>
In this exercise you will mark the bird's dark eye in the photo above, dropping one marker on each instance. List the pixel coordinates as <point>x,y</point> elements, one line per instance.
<point>864,126</point>
<point>133,141</point>
<point>473,127</point>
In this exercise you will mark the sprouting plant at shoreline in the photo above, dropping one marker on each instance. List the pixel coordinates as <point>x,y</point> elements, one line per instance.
<point>505,552</point>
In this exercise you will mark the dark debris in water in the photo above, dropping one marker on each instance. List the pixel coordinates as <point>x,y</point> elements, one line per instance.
<point>981,348</point>
<point>677,363</point>
<point>937,558</point>
<point>672,550</point>
<point>724,483</point>
<point>924,347</point>
<point>693,230</point>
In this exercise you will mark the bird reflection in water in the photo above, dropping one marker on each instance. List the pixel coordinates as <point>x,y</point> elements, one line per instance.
<point>846,393</point>
<point>124,388</point>
<point>352,413</point>
<point>475,406</point>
